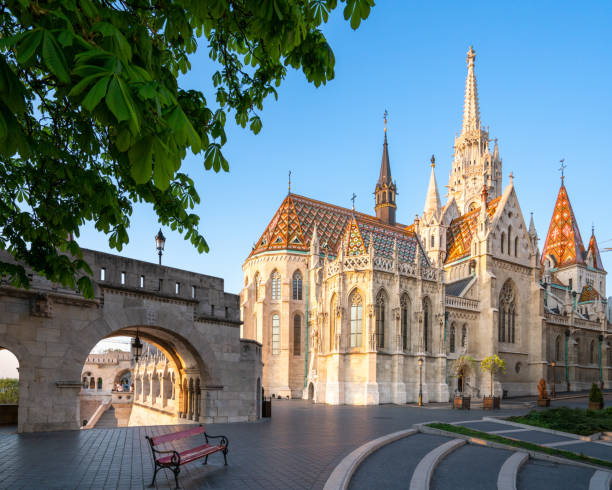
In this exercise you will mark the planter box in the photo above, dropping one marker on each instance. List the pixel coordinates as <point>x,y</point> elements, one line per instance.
<point>595,405</point>
<point>544,402</point>
<point>490,402</point>
<point>462,402</point>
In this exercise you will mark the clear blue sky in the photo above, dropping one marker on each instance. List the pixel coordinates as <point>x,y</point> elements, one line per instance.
<point>544,75</point>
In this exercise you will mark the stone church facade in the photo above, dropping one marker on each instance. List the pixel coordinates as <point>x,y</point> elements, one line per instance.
<point>359,309</point>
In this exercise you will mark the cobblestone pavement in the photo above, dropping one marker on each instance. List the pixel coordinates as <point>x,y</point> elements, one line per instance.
<point>297,449</point>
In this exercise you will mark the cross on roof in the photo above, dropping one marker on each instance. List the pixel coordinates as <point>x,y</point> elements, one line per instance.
<point>562,168</point>
<point>385,116</point>
<point>289,181</point>
<point>353,197</point>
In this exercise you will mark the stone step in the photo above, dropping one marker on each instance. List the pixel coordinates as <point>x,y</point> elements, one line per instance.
<point>538,474</point>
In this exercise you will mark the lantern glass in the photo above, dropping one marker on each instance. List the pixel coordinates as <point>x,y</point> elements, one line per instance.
<point>160,240</point>
<point>136,348</point>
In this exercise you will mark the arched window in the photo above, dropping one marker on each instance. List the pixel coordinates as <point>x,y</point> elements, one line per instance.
<point>503,241</point>
<point>558,348</point>
<point>99,383</point>
<point>509,238</point>
<point>452,338</point>
<point>297,285</point>
<point>275,334</point>
<point>516,244</point>
<point>380,320</point>
<point>356,319</point>
<point>464,336</point>
<point>405,319</point>
<point>85,382</point>
<point>433,241</point>
<point>92,383</point>
<point>297,335</point>
<point>332,322</point>
<point>592,352</point>
<point>427,313</point>
<point>256,284</point>
<point>507,314</point>
<point>276,285</point>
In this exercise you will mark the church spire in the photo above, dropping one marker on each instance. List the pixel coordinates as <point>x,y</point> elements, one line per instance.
<point>432,201</point>
<point>471,112</point>
<point>385,190</point>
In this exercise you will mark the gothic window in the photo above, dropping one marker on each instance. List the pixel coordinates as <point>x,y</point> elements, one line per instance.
<point>452,338</point>
<point>558,348</point>
<point>405,320</point>
<point>592,352</point>
<point>503,240</point>
<point>275,334</point>
<point>507,314</point>
<point>256,284</point>
<point>99,383</point>
<point>380,320</point>
<point>276,285</point>
<point>509,236</point>
<point>332,323</point>
<point>516,243</point>
<point>356,319</point>
<point>85,382</point>
<point>426,323</point>
<point>297,335</point>
<point>433,241</point>
<point>297,285</point>
<point>92,383</point>
<point>464,336</point>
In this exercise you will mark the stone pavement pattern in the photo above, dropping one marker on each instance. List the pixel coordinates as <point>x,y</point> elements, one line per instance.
<point>297,449</point>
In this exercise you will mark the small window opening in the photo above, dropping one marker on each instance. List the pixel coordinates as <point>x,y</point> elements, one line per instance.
<point>177,288</point>
<point>193,289</point>
<point>123,277</point>
<point>142,281</point>
<point>103,274</point>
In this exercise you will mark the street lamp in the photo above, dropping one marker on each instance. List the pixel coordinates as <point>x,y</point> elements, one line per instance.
<point>552,391</point>
<point>160,241</point>
<point>420,381</point>
<point>136,347</point>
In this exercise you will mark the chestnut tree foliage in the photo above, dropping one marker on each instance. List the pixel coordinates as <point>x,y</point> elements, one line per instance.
<point>93,119</point>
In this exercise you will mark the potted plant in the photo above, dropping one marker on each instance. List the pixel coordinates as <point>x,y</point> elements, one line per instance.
<point>462,367</point>
<point>492,365</point>
<point>595,398</point>
<point>543,400</point>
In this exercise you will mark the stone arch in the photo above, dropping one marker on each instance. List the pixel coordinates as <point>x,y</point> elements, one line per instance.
<point>11,413</point>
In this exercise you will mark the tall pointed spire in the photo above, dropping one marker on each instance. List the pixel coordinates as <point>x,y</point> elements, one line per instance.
<point>432,201</point>
<point>385,190</point>
<point>563,241</point>
<point>471,111</point>
<point>593,251</point>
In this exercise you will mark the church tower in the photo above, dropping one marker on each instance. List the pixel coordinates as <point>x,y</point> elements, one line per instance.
<point>385,190</point>
<point>474,166</point>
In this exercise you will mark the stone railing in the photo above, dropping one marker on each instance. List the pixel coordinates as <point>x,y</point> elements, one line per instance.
<point>462,303</point>
<point>362,262</point>
<point>556,319</point>
<point>407,269</point>
<point>578,322</point>
<point>382,264</point>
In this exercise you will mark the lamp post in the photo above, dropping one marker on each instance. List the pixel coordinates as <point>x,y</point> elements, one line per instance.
<point>601,382</point>
<point>420,381</point>
<point>136,347</point>
<point>160,241</point>
<point>552,391</point>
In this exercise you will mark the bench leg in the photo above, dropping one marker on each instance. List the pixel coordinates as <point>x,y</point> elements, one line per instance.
<point>225,456</point>
<point>205,459</point>
<point>176,474</point>
<point>154,476</point>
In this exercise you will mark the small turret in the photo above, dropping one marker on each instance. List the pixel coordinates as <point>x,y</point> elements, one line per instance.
<point>432,201</point>
<point>385,190</point>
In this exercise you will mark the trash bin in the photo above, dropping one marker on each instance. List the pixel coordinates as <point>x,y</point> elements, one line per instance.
<point>266,407</point>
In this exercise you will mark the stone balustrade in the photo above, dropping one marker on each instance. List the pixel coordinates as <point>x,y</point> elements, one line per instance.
<point>384,264</point>
<point>462,303</point>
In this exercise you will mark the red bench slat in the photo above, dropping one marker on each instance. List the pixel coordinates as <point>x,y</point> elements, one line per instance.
<point>177,435</point>
<point>193,453</point>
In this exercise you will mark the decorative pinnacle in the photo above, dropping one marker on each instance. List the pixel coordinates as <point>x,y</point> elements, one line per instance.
<point>471,55</point>
<point>433,161</point>
<point>289,191</point>
<point>562,169</point>
<point>385,116</point>
<point>511,177</point>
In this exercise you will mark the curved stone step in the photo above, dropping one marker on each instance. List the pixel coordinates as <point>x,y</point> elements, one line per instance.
<point>471,466</point>
<point>601,480</point>
<point>537,474</point>
<point>424,470</point>
<point>506,480</point>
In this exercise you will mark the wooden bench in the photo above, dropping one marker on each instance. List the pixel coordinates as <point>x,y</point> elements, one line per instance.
<point>173,459</point>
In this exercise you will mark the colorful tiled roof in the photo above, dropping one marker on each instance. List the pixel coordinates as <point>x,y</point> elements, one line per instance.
<point>563,241</point>
<point>462,229</point>
<point>589,293</point>
<point>594,251</point>
<point>292,226</point>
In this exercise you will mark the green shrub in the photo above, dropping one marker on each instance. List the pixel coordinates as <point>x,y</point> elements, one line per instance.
<point>9,391</point>
<point>595,395</point>
<point>574,420</point>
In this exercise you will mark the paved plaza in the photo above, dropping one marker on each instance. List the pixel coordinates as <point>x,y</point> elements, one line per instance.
<point>298,448</point>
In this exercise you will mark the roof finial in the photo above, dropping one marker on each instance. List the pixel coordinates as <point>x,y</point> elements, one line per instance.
<point>385,116</point>
<point>433,161</point>
<point>289,192</point>
<point>471,112</point>
<point>562,169</point>
<point>512,177</point>
<point>353,197</point>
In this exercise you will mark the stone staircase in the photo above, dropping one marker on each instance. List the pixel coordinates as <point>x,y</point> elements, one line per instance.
<point>114,417</point>
<point>426,461</point>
